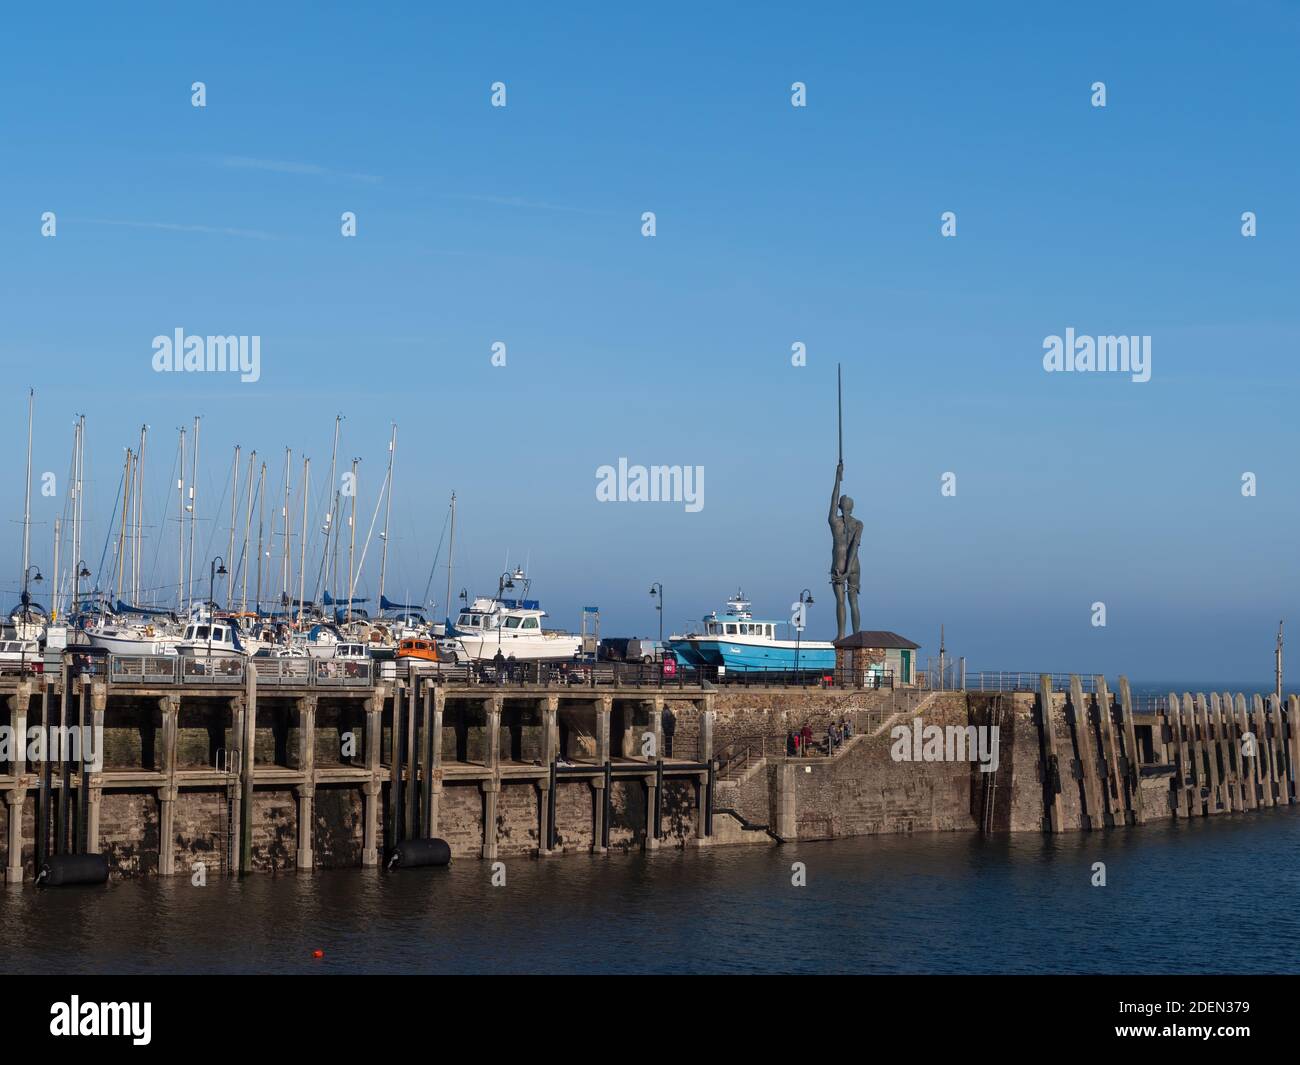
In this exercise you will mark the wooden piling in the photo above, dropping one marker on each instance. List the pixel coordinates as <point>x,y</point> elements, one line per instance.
<point>1209,745</point>
<point>1249,762</point>
<point>1114,782</point>
<point>1277,751</point>
<point>1262,753</point>
<point>1197,781</point>
<point>1133,757</point>
<point>1096,811</point>
<point>1052,770</point>
<point>1182,762</point>
<point>1293,737</point>
<point>1223,745</point>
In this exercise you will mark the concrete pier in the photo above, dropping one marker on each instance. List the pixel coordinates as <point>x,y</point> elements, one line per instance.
<point>261,770</point>
<point>266,770</point>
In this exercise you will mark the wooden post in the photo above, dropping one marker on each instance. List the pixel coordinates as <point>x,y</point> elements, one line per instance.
<point>1132,776</point>
<point>1262,757</point>
<point>1214,802</point>
<point>374,772</point>
<point>1114,781</point>
<point>247,764</point>
<point>1250,762</point>
<point>1223,746</point>
<point>412,819</point>
<point>1294,737</point>
<point>396,752</point>
<point>1096,812</point>
<point>1277,752</point>
<point>1050,759</point>
<point>1201,797</point>
<point>1232,732</point>
<point>307,789</point>
<point>1182,762</point>
<point>170,706</point>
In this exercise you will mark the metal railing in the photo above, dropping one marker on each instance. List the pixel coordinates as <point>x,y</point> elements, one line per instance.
<point>738,755</point>
<point>1028,681</point>
<point>231,671</point>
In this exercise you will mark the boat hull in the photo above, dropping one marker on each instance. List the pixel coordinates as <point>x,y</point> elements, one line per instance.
<point>125,644</point>
<point>741,655</point>
<point>522,648</point>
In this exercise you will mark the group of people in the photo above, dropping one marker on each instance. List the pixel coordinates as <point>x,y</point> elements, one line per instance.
<point>799,743</point>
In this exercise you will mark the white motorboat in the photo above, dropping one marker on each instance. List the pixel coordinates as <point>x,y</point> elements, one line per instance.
<point>511,626</point>
<point>210,638</point>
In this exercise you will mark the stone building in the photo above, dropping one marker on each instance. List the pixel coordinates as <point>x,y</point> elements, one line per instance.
<point>874,659</point>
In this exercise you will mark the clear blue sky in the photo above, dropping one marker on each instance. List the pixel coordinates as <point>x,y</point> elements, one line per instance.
<point>775,225</point>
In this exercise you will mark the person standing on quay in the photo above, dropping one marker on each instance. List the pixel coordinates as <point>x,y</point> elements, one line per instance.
<point>806,736</point>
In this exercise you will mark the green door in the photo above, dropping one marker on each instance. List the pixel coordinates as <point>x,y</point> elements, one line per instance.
<point>906,657</point>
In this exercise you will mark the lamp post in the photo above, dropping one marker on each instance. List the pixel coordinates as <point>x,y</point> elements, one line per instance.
<point>77,574</point>
<point>657,593</point>
<point>27,613</point>
<point>27,599</point>
<point>805,600</point>
<point>506,580</point>
<point>218,567</point>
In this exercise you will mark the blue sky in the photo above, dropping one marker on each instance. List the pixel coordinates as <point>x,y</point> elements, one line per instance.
<point>775,224</point>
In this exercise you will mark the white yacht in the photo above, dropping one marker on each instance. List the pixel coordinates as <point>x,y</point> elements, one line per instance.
<point>119,638</point>
<point>511,626</point>
<point>210,638</point>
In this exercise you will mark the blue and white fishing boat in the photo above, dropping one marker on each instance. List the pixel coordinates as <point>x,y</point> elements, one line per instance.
<point>740,642</point>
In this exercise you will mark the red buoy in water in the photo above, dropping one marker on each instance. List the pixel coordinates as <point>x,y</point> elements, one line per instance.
<point>318,954</point>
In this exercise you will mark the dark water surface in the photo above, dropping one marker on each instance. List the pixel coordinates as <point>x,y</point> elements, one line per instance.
<point>1219,895</point>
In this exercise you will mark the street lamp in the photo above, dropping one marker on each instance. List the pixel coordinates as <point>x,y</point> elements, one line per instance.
<point>805,600</point>
<point>657,593</point>
<point>80,572</point>
<point>218,568</point>
<point>27,599</point>
<point>505,581</point>
<point>27,615</point>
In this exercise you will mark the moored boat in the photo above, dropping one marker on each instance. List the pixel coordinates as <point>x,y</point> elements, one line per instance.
<point>738,641</point>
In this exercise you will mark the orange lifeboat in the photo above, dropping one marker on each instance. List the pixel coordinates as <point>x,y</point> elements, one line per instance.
<point>423,650</point>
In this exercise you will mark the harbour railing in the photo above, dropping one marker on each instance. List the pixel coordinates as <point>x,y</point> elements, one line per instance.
<point>1003,680</point>
<point>300,672</point>
<point>196,671</point>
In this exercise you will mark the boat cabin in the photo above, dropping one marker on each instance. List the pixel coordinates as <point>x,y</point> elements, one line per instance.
<point>425,650</point>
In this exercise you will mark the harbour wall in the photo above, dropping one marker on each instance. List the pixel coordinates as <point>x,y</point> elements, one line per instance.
<point>522,772</point>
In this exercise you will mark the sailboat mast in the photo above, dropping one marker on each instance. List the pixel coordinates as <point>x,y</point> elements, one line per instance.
<point>388,509</point>
<point>261,523</point>
<point>54,604</point>
<point>76,511</point>
<point>27,501</point>
<point>284,558</point>
<point>451,553</point>
<point>180,528</point>
<point>234,516</point>
<point>302,544</point>
<point>138,547</point>
<point>127,482</point>
<point>332,517</point>
<point>352,541</point>
<point>248,528</point>
<point>194,511</point>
